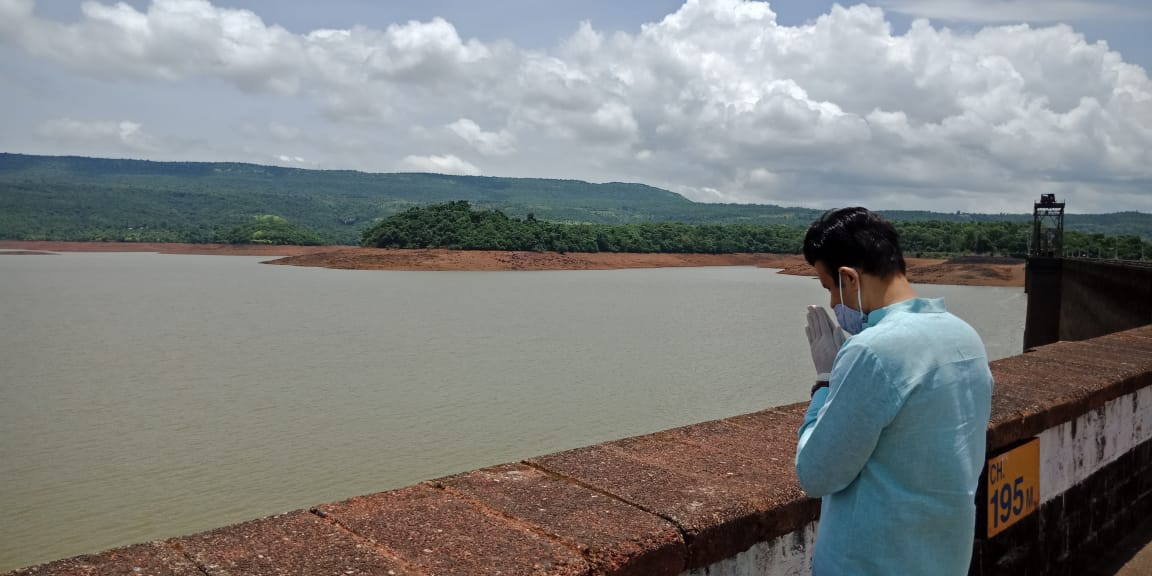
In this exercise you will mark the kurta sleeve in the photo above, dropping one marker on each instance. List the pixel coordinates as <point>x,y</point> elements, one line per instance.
<point>844,421</point>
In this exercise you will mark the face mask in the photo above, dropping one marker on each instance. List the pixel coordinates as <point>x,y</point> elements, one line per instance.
<point>850,319</point>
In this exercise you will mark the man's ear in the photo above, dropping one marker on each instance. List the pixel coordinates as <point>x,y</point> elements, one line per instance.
<point>850,277</point>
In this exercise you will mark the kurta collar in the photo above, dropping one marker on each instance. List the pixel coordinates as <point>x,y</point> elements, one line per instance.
<point>913,305</point>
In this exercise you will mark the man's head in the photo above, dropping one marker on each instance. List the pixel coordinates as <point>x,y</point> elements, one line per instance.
<point>846,243</point>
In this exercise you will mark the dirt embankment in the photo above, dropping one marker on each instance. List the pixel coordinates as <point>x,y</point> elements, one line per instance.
<point>957,271</point>
<point>971,272</point>
<point>436,259</point>
<point>966,272</point>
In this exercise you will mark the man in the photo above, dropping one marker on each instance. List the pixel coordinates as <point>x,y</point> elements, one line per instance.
<point>893,440</point>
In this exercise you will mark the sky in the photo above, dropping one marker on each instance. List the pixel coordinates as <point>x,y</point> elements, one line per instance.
<point>946,105</point>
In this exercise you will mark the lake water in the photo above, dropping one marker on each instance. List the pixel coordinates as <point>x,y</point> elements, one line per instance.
<point>144,396</point>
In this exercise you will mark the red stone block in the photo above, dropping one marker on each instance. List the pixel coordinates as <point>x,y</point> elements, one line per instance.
<point>796,410</point>
<point>293,543</point>
<point>1130,349</point>
<point>1102,372</point>
<point>727,485</point>
<point>150,559</point>
<point>1018,412</point>
<point>439,534</point>
<point>1139,340</point>
<point>1123,355</point>
<point>758,449</point>
<point>1052,374</point>
<point>615,537</point>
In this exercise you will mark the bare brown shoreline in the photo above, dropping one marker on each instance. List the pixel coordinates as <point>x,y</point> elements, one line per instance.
<point>920,270</point>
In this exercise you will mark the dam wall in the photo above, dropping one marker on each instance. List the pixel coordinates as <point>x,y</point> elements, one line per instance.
<point>1070,441</point>
<point>1073,299</point>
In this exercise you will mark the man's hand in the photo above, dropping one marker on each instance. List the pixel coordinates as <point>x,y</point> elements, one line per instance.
<point>825,339</point>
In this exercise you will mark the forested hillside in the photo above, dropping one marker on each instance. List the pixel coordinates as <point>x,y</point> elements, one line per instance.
<point>72,198</point>
<point>68,198</point>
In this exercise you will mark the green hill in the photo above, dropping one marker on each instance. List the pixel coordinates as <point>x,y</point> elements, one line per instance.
<point>76,198</point>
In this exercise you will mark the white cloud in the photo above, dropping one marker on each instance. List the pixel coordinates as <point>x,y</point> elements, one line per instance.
<point>447,164</point>
<point>717,100</point>
<point>500,143</point>
<point>999,11</point>
<point>615,118</point>
<point>121,136</point>
<point>182,38</point>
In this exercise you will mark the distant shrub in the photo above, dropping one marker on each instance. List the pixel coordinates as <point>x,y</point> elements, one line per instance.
<point>271,229</point>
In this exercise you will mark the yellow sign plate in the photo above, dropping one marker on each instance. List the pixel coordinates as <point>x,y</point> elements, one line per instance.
<point>1013,486</point>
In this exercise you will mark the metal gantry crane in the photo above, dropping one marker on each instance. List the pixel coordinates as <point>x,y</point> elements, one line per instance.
<point>1047,228</point>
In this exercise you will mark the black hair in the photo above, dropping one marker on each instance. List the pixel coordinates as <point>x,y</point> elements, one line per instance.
<point>856,238</point>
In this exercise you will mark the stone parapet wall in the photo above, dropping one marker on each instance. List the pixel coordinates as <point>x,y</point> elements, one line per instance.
<point>1090,405</point>
<point>717,498</point>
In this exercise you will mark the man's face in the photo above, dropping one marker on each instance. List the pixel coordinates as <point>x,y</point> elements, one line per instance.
<point>828,281</point>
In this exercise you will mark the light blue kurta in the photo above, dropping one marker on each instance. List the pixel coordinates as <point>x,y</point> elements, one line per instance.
<point>894,446</point>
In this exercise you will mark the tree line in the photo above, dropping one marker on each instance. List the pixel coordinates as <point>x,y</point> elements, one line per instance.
<point>261,229</point>
<point>458,225</point>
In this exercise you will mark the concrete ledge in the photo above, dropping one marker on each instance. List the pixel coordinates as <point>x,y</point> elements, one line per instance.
<point>293,543</point>
<point>613,536</point>
<point>725,484</point>
<point>436,532</point>
<point>675,502</point>
<point>1055,383</point>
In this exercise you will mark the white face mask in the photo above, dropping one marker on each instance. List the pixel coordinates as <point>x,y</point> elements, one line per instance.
<point>851,320</point>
